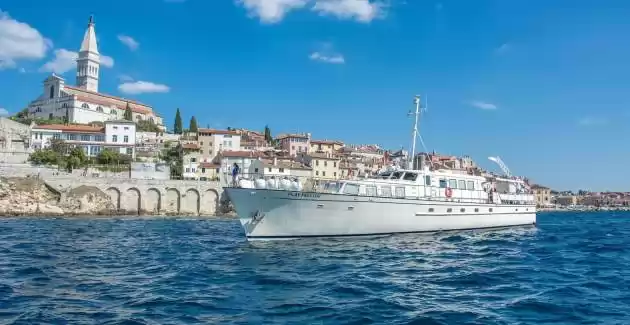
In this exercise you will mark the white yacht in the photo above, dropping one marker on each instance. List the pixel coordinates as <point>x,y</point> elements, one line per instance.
<point>393,202</point>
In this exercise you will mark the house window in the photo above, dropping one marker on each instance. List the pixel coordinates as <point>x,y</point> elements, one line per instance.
<point>99,138</point>
<point>129,151</point>
<point>126,139</point>
<point>99,109</point>
<point>335,174</point>
<point>188,170</point>
<point>270,169</point>
<point>115,128</point>
<point>114,138</point>
<point>316,162</point>
<point>85,137</point>
<point>255,170</point>
<point>334,164</point>
<point>324,174</point>
<point>52,91</point>
<point>193,159</point>
<point>86,106</point>
<point>281,170</point>
<point>203,170</point>
<point>325,163</point>
<point>72,136</point>
<point>126,128</point>
<point>316,173</point>
<point>55,136</point>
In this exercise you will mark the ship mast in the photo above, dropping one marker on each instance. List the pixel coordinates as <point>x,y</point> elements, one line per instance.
<point>416,101</point>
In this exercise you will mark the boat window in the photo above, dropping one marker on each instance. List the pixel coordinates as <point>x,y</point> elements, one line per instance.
<point>386,191</point>
<point>397,175</point>
<point>442,183</point>
<point>452,183</point>
<point>400,191</point>
<point>370,190</point>
<point>471,185</point>
<point>427,180</point>
<point>351,188</point>
<point>462,184</point>
<point>410,177</point>
<point>332,187</point>
<point>385,175</point>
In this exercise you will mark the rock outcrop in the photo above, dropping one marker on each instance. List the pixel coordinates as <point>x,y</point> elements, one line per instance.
<point>31,196</point>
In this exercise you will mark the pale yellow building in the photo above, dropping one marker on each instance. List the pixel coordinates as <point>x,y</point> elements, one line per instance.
<point>324,166</point>
<point>542,194</point>
<point>325,146</point>
<point>566,200</point>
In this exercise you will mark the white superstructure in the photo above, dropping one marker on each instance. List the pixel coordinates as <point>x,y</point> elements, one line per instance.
<point>395,201</point>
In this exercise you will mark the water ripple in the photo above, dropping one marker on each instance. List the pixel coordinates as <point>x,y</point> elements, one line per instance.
<point>571,269</point>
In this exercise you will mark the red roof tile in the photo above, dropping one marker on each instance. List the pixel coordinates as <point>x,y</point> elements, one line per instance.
<point>213,131</point>
<point>71,128</point>
<point>240,154</point>
<point>108,100</point>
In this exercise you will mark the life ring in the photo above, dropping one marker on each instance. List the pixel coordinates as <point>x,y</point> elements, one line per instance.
<point>448,192</point>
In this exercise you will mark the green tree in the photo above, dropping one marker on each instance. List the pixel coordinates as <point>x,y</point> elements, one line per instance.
<point>128,113</point>
<point>177,128</point>
<point>268,137</point>
<point>146,126</point>
<point>193,124</point>
<point>174,157</point>
<point>59,146</point>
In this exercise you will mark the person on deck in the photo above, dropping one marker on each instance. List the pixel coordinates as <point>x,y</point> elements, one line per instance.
<point>235,171</point>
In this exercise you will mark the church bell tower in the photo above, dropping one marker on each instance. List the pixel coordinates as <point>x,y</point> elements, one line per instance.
<point>88,62</point>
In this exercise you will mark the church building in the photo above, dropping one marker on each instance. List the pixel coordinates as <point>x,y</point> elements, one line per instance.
<point>83,103</point>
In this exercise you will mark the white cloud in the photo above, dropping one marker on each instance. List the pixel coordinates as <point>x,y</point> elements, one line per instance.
<point>131,43</point>
<point>483,105</point>
<point>20,41</point>
<point>592,121</point>
<point>271,11</point>
<point>334,58</point>
<point>503,48</point>
<point>3,112</point>
<point>65,61</point>
<point>107,61</point>
<point>361,10</point>
<point>140,87</point>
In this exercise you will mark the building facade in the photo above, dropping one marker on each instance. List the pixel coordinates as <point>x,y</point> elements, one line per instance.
<point>212,142</point>
<point>324,166</point>
<point>83,103</point>
<point>295,144</point>
<point>542,194</point>
<point>118,136</point>
<point>325,146</point>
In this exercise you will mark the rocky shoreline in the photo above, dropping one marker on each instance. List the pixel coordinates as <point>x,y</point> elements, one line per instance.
<point>27,196</point>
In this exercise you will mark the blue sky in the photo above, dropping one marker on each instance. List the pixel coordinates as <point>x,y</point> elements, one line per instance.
<point>543,84</point>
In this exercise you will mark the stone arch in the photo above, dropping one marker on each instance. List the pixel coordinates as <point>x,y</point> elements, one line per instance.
<point>192,199</point>
<point>131,202</point>
<point>153,201</point>
<point>210,202</point>
<point>114,195</point>
<point>172,202</point>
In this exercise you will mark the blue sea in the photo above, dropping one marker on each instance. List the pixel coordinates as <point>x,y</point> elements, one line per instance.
<point>574,268</point>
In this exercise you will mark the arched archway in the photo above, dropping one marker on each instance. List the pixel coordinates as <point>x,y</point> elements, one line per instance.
<point>153,201</point>
<point>210,202</point>
<point>131,202</point>
<point>191,201</point>
<point>172,201</point>
<point>114,195</point>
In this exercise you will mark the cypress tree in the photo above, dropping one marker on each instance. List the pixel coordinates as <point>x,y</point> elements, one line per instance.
<point>128,114</point>
<point>177,128</point>
<point>193,124</point>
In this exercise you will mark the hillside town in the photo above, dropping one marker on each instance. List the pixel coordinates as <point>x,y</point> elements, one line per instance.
<point>75,127</point>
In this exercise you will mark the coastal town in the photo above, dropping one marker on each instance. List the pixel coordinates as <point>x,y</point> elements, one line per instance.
<point>77,127</point>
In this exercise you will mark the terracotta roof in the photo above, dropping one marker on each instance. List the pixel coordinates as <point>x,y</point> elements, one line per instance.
<point>300,136</point>
<point>213,131</point>
<point>190,146</point>
<point>209,165</point>
<point>286,164</point>
<point>71,128</point>
<point>108,100</point>
<point>240,154</point>
<point>326,142</point>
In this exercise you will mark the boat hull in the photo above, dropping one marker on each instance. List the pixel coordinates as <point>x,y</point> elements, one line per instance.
<point>275,214</point>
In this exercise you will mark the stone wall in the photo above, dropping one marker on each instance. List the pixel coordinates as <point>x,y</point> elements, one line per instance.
<point>158,197</point>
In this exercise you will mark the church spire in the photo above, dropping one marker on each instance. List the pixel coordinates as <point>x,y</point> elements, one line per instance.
<point>89,38</point>
<point>88,62</point>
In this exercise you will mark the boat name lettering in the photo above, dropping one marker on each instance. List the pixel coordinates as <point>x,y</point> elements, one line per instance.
<point>304,195</point>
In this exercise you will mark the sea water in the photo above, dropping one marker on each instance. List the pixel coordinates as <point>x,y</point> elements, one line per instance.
<point>573,268</point>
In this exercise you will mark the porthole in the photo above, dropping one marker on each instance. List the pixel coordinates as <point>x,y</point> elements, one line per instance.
<point>462,210</point>
<point>476,209</point>
<point>516,210</point>
<point>430,209</point>
<point>490,209</point>
<point>449,210</point>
